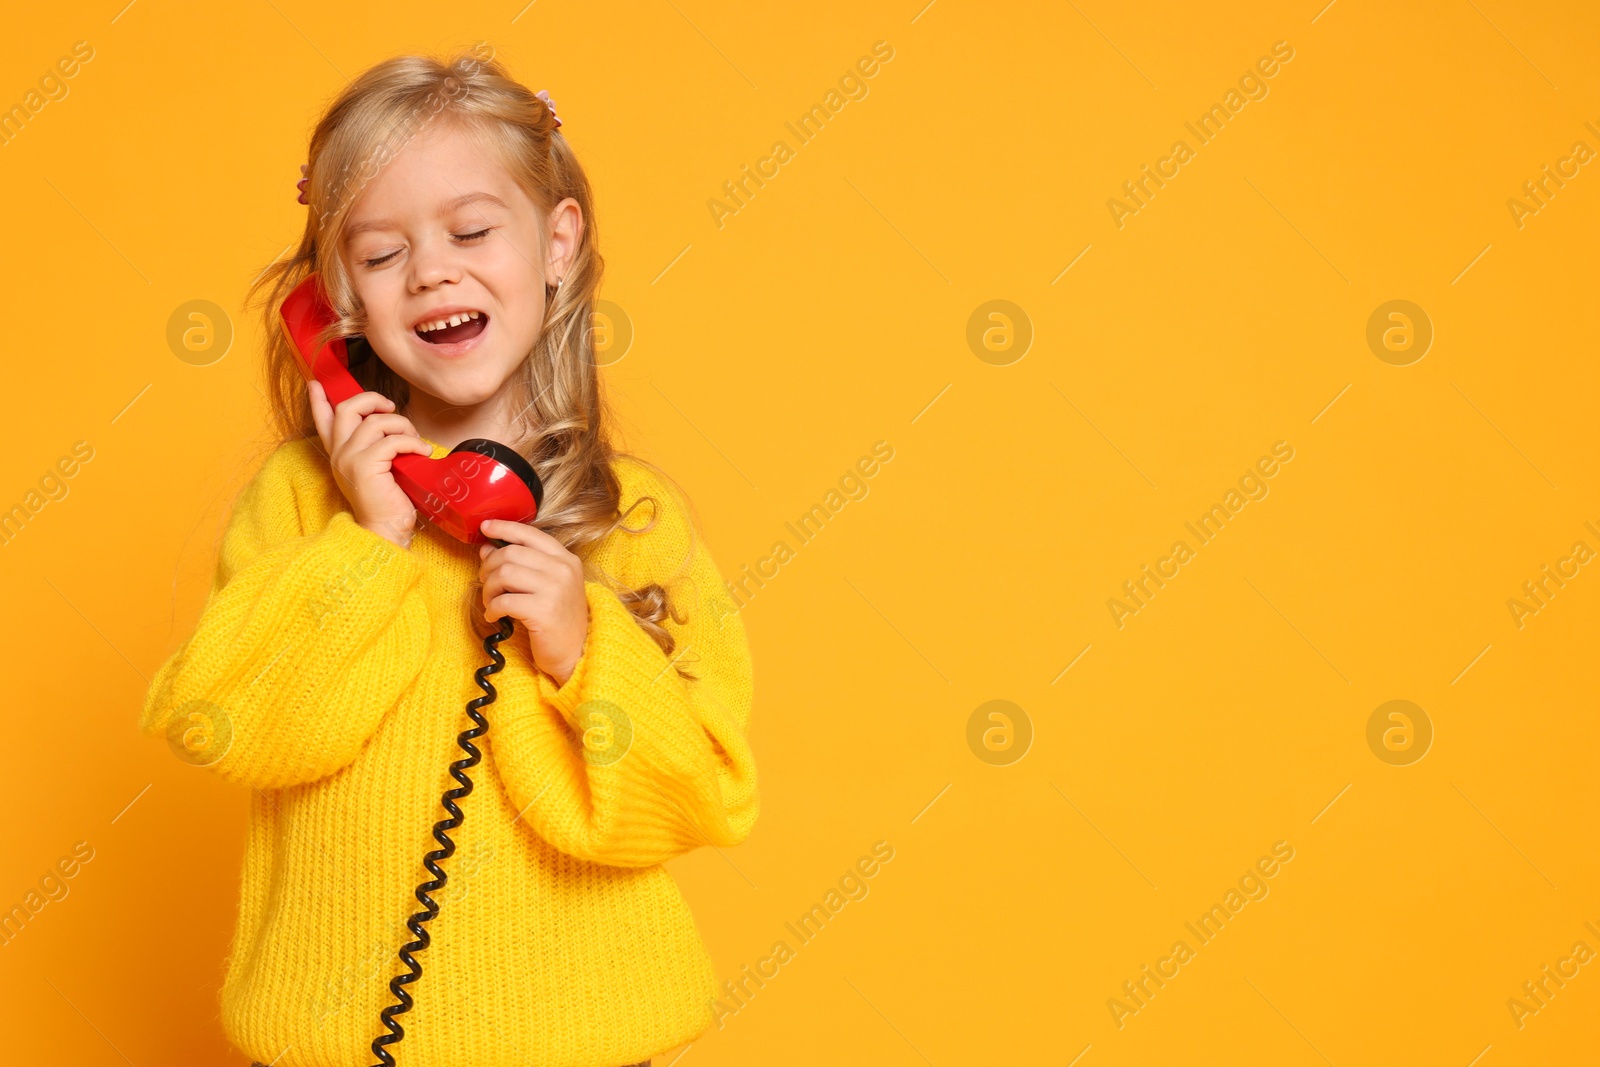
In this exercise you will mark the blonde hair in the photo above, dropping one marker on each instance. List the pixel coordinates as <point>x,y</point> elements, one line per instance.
<point>561,423</point>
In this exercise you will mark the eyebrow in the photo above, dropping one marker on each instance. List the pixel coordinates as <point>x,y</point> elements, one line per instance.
<point>356,229</point>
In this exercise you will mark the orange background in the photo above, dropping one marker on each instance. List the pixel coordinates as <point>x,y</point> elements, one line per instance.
<point>831,312</point>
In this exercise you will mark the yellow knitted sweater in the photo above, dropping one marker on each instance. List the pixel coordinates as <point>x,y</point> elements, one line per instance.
<point>329,672</point>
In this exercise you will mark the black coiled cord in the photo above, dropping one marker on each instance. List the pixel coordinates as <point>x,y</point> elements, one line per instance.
<point>480,727</point>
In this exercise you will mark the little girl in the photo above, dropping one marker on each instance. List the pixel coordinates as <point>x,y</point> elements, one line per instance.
<point>452,226</point>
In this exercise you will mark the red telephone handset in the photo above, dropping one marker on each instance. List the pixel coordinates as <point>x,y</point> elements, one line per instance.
<point>478,480</point>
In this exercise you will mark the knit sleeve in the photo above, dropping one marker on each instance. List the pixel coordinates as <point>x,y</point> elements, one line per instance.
<point>628,763</point>
<point>307,638</point>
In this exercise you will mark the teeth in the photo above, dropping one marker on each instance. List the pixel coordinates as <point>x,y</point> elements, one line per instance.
<point>454,320</point>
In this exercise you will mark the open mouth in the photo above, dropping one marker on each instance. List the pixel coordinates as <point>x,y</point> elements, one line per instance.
<point>453,329</point>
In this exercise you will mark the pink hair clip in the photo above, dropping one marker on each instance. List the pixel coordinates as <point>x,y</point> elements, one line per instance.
<point>305,179</point>
<point>544,95</point>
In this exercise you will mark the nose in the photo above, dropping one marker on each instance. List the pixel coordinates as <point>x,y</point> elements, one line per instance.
<point>433,263</point>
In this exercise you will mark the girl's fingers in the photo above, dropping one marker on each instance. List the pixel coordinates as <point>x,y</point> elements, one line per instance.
<point>516,605</point>
<point>520,557</point>
<point>378,425</point>
<point>383,450</point>
<point>349,413</point>
<point>520,533</point>
<point>514,555</point>
<point>513,579</point>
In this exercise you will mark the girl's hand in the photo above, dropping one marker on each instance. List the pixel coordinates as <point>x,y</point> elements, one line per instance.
<point>535,580</point>
<point>362,436</point>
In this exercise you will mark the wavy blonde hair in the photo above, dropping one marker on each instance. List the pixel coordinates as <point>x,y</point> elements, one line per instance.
<point>561,421</point>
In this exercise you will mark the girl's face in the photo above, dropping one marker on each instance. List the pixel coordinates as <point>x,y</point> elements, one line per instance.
<point>444,233</point>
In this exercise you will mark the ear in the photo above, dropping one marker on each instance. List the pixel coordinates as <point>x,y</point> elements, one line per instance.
<point>565,225</point>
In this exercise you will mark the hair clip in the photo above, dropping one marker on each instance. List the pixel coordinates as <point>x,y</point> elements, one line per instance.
<point>305,178</point>
<point>544,95</point>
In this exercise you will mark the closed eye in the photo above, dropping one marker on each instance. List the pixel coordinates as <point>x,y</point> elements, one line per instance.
<point>462,237</point>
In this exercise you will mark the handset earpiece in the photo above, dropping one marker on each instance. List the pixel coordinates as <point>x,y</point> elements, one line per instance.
<point>509,458</point>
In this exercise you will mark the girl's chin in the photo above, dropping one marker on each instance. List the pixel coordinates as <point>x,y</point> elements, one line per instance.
<point>455,386</point>
<point>457,396</point>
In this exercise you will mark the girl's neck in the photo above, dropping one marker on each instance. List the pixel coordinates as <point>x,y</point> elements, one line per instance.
<point>450,424</point>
